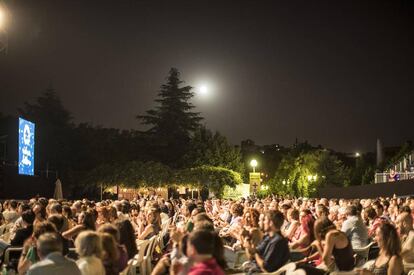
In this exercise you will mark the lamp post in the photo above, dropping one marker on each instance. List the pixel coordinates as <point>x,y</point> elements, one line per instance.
<point>253,163</point>
<point>4,17</point>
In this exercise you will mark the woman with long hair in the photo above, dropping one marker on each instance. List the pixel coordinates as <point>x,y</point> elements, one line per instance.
<point>110,255</point>
<point>127,237</point>
<point>306,236</point>
<point>293,229</point>
<point>152,226</point>
<point>389,261</point>
<point>337,253</point>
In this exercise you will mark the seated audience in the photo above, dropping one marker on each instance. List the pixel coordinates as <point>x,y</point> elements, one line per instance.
<point>52,262</point>
<point>389,260</point>
<point>273,251</point>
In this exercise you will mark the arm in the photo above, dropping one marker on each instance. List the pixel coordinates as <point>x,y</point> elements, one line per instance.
<point>24,262</point>
<point>146,232</point>
<point>395,266</point>
<point>291,230</point>
<point>327,251</point>
<point>68,234</point>
<point>304,240</point>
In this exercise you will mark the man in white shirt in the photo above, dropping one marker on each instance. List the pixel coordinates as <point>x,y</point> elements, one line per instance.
<point>49,248</point>
<point>354,228</point>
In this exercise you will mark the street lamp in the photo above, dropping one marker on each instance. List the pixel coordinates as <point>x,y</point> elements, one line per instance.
<point>3,31</point>
<point>357,154</point>
<point>253,163</point>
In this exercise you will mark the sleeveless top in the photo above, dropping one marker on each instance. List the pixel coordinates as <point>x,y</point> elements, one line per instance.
<point>344,257</point>
<point>381,270</point>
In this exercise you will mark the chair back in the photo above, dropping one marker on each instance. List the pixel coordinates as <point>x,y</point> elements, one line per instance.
<point>296,272</point>
<point>148,254</point>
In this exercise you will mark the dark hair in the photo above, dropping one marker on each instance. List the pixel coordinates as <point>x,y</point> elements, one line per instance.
<point>203,241</point>
<point>322,227</point>
<point>127,237</point>
<point>276,217</point>
<point>24,207</point>
<point>13,204</point>
<point>202,217</point>
<point>89,220</point>
<point>371,213</point>
<point>285,206</point>
<point>66,209</point>
<point>191,206</point>
<point>405,208</point>
<point>352,210</point>
<point>28,216</point>
<point>390,238</point>
<point>57,220</point>
<point>43,227</point>
<point>295,214</point>
<point>110,229</point>
<point>56,207</point>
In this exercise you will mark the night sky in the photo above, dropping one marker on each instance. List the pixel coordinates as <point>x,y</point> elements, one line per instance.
<point>335,73</point>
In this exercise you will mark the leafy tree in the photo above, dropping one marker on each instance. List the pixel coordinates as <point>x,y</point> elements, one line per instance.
<point>302,174</point>
<point>211,149</point>
<point>210,177</point>
<point>172,122</point>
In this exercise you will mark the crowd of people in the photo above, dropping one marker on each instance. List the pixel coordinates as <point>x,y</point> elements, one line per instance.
<point>319,235</point>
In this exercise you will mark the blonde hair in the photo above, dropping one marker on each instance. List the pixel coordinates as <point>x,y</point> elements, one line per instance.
<point>88,243</point>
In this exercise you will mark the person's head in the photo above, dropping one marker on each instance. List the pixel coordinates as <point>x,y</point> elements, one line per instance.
<point>251,217</point>
<point>371,213</point>
<point>404,223</point>
<point>200,242</point>
<point>236,210</point>
<point>322,211</point>
<point>379,208</point>
<point>188,208</point>
<point>322,227</point>
<point>56,208</point>
<point>23,207</point>
<point>58,221</point>
<point>110,229</point>
<point>388,239</point>
<point>87,219</point>
<point>88,243</point>
<point>67,212</point>
<point>43,227</point>
<point>293,214</point>
<point>28,217</point>
<point>39,210</point>
<point>273,221</point>
<point>13,205</point>
<point>154,217</point>
<point>104,214</point>
<point>351,210</point>
<point>48,243</point>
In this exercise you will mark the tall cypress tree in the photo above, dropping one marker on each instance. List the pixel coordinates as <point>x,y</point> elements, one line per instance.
<point>172,121</point>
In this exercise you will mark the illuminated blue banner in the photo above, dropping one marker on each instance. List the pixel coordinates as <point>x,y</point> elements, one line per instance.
<point>26,147</point>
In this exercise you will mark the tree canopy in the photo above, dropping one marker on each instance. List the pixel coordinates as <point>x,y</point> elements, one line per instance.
<point>172,122</point>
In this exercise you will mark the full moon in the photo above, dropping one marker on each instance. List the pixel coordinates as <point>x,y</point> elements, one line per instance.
<point>203,90</point>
